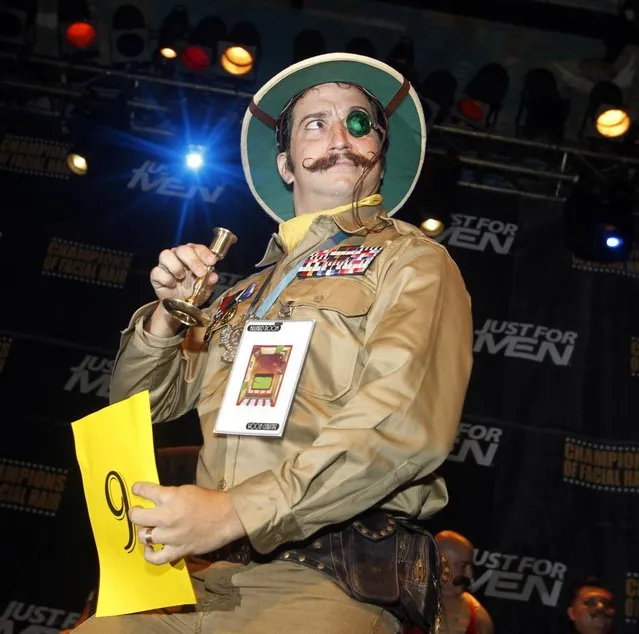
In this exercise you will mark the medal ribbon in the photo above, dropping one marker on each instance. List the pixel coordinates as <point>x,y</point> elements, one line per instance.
<point>271,298</point>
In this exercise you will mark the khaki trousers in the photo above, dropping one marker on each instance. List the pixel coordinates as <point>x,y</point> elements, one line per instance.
<point>274,598</point>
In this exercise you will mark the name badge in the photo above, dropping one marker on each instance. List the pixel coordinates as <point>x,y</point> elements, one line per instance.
<point>348,260</point>
<point>264,377</point>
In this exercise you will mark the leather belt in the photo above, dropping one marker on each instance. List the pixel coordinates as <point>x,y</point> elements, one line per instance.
<point>375,558</point>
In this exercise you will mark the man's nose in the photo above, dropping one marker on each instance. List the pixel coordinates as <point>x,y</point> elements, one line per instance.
<point>340,138</point>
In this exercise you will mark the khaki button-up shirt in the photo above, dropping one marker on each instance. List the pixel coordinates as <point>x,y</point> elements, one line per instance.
<point>378,402</point>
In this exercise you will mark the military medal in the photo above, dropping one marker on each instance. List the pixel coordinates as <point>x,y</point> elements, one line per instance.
<point>227,310</point>
<point>347,260</point>
<point>231,333</point>
<point>285,311</point>
<point>219,322</point>
<point>230,336</point>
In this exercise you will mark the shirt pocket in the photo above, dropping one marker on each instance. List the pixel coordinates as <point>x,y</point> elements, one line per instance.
<point>339,307</point>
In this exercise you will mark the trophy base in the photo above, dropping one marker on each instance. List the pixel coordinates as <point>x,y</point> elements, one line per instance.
<point>186,313</point>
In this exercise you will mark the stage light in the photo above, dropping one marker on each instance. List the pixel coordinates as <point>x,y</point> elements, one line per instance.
<point>542,111</point>
<point>173,33</point>
<point>80,34</point>
<point>77,29</point>
<point>437,92</point>
<point>199,53</point>
<point>195,157</point>
<point>308,43</point>
<point>598,220</point>
<point>129,36</point>
<point>236,60</point>
<point>606,113</point>
<point>432,226</point>
<point>13,26</point>
<point>483,98</point>
<point>196,58</point>
<point>613,123</point>
<point>238,55</point>
<point>613,241</point>
<point>361,46</point>
<point>77,163</point>
<point>168,52</point>
<point>432,222</point>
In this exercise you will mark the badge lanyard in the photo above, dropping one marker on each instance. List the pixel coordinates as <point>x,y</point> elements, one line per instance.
<point>271,298</point>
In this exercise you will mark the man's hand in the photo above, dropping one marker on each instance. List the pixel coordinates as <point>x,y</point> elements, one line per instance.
<point>186,520</point>
<point>178,268</point>
<point>174,278</point>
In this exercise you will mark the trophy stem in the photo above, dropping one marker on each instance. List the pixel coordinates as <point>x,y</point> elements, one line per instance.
<point>199,286</point>
<point>186,310</point>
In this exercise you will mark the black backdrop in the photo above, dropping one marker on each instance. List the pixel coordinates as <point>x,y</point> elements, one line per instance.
<point>544,477</point>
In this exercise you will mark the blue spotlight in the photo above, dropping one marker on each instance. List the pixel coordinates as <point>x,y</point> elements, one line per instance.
<point>598,219</point>
<point>613,242</point>
<point>195,157</point>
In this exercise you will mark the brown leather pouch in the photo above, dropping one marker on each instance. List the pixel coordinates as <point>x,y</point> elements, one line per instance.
<point>419,570</point>
<point>379,559</point>
<point>365,559</point>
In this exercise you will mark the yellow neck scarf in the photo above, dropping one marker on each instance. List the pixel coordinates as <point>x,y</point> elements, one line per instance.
<point>292,231</point>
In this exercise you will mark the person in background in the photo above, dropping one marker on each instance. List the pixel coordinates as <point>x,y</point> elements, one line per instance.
<point>463,613</point>
<point>591,609</point>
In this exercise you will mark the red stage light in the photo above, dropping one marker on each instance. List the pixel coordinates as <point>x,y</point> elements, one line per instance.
<point>471,109</point>
<point>80,34</point>
<point>195,58</point>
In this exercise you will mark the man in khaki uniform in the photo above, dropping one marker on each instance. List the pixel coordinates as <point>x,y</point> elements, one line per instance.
<point>379,398</point>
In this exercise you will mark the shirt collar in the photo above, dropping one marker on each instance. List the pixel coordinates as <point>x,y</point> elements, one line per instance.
<point>372,218</point>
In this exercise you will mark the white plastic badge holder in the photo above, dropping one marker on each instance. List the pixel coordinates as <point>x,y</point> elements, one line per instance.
<point>264,377</point>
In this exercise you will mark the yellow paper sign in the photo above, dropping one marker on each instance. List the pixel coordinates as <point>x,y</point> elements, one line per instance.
<point>115,449</point>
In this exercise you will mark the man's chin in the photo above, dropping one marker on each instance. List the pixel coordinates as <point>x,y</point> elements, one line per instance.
<point>599,624</point>
<point>341,181</point>
<point>452,593</point>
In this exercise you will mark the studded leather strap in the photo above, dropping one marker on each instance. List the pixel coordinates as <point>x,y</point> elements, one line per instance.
<point>327,551</point>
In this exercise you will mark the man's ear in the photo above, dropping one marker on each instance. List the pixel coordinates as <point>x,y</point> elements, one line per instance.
<point>571,613</point>
<point>287,176</point>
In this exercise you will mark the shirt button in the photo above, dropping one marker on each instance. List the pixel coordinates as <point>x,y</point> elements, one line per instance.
<point>277,538</point>
<point>221,484</point>
<point>319,298</point>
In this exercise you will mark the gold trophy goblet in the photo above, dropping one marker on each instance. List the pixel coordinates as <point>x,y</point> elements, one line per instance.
<point>186,310</point>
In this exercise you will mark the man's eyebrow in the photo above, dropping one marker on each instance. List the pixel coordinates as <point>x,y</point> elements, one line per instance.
<point>355,108</point>
<point>315,115</point>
